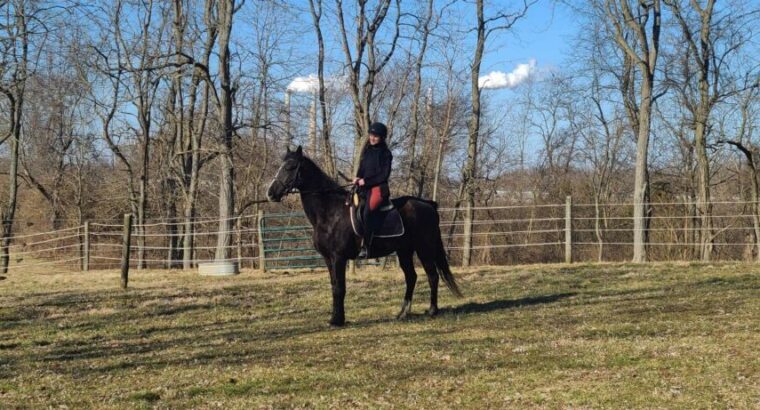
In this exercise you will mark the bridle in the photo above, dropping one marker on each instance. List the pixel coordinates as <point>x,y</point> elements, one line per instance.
<point>290,185</point>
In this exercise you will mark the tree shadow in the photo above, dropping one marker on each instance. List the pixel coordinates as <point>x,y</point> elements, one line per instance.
<point>505,304</point>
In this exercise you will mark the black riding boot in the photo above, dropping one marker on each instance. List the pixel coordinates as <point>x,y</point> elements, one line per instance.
<point>370,222</point>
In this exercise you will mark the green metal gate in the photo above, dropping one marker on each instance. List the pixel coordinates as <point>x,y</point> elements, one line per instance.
<point>285,242</point>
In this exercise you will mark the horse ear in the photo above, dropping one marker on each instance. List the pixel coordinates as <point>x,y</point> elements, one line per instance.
<point>287,148</point>
<point>299,151</point>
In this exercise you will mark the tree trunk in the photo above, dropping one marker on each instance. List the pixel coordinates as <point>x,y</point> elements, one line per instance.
<point>313,146</point>
<point>469,171</point>
<point>16,105</point>
<point>755,208</point>
<point>598,230</point>
<point>438,162</point>
<point>703,56</point>
<point>641,51</point>
<point>9,213</point>
<point>227,171</point>
<point>192,161</point>
<point>704,204</point>
<point>640,184</point>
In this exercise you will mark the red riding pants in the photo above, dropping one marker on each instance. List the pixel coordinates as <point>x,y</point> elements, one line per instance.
<point>375,198</point>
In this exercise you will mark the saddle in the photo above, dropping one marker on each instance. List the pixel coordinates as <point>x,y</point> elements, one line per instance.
<point>392,225</point>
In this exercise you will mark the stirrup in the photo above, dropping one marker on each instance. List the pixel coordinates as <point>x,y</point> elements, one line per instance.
<point>363,253</point>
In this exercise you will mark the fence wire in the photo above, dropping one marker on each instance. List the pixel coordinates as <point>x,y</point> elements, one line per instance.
<point>503,234</point>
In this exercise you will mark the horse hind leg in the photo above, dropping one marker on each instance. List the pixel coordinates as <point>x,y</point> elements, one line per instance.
<point>432,275</point>
<point>407,265</point>
<point>426,253</point>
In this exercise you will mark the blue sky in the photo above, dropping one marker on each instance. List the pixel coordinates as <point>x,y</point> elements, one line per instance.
<point>544,34</point>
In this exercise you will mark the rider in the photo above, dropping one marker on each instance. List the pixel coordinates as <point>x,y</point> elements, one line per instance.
<point>374,171</point>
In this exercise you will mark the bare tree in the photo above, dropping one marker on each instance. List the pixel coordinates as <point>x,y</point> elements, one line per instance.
<point>636,30</point>
<point>415,180</point>
<point>226,9</point>
<point>327,153</point>
<point>743,140</point>
<point>22,22</point>
<point>603,149</point>
<point>485,26</point>
<point>51,129</point>
<point>704,62</point>
<point>189,153</point>
<point>362,87</point>
<point>139,57</point>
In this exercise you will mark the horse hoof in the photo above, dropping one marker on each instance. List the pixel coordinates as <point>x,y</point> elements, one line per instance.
<point>433,311</point>
<point>337,322</point>
<point>406,308</point>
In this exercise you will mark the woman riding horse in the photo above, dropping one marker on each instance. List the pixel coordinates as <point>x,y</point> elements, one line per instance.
<point>324,203</point>
<point>374,172</point>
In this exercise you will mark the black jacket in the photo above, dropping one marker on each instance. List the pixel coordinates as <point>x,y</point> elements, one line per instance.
<point>375,167</point>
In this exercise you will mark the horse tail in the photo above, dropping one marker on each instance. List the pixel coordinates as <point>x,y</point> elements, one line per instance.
<point>442,264</point>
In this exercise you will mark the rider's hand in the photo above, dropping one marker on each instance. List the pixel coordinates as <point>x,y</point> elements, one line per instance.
<point>356,180</point>
<point>361,182</point>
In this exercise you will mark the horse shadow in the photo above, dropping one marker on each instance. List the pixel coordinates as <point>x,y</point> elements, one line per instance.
<point>474,308</point>
<point>504,304</point>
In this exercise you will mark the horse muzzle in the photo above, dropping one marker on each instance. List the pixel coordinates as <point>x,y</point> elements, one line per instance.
<point>275,192</point>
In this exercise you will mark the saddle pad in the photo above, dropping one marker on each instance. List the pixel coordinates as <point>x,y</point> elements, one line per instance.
<point>392,227</point>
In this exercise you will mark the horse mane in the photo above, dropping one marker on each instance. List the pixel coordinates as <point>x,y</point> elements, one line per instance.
<point>327,181</point>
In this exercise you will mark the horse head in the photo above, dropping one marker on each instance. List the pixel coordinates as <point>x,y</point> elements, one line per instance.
<point>288,177</point>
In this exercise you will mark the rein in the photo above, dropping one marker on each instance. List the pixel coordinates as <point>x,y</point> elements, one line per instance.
<point>295,180</point>
<point>319,191</point>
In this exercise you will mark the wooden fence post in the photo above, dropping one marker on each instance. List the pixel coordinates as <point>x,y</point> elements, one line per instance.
<point>125,250</point>
<point>262,256</point>
<point>86,250</point>
<point>569,229</point>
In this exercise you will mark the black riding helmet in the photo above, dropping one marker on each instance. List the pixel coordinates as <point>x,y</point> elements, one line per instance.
<point>379,129</point>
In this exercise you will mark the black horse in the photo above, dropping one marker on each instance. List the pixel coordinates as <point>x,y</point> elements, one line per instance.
<point>324,202</point>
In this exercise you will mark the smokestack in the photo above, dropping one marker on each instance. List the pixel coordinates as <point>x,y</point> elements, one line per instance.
<point>313,126</point>
<point>288,134</point>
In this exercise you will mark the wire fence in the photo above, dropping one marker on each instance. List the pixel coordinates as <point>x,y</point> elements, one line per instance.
<point>500,235</point>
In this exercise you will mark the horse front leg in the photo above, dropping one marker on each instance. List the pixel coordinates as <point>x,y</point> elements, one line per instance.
<point>337,269</point>
<point>405,259</point>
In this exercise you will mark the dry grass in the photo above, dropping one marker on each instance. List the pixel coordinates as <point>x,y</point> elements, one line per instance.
<point>581,336</point>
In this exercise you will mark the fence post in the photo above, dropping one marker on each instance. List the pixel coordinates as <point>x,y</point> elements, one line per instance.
<point>262,257</point>
<point>239,234</point>
<point>86,253</point>
<point>125,250</point>
<point>569,229</point>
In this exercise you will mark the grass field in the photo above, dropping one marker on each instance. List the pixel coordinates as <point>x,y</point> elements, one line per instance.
<point>581,336</point>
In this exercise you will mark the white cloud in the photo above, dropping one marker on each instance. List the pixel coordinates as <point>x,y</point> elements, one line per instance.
<point>310,84</point>
<point>498,79</point>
